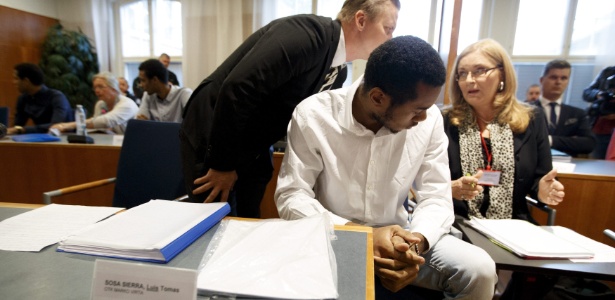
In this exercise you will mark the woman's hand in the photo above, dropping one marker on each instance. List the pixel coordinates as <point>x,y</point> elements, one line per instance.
<point>550,191</point>
<point>467,187</point>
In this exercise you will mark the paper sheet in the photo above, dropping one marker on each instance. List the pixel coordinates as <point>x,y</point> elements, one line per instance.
<point>41,227</point>
<point>603,253</point>
<point>564,167</point>
<point>272,259</point>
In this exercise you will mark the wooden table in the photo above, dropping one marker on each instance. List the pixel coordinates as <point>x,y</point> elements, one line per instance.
<point>589,204</point>
<point>30,169</point>
<point>53,275</point>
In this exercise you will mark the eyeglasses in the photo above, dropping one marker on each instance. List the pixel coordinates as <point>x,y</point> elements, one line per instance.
<point>480,72</point>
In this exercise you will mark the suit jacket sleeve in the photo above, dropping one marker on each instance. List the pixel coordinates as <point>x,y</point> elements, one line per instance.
<point>286,51</point>
<point>573,135</point>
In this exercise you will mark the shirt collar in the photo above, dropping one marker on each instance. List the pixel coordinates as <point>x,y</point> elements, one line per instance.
<point>340,53</point>
<point>347,120</point>
<point>545,102</point>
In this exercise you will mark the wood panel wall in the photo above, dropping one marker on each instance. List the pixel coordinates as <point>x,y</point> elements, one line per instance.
<point>21,36</point>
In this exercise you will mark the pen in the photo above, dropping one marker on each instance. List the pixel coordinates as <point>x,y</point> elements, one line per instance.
<point>472,184</point>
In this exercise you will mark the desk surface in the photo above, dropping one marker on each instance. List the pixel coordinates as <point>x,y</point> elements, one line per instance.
<point>100,139</point>
<point>507,261</point>
<point>56,275</point>
<point>592,167</point>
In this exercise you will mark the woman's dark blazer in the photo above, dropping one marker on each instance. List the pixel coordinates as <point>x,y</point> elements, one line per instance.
<point>532,161</point>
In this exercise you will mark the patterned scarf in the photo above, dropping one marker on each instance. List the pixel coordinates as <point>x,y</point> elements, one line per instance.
<point>502,149</point>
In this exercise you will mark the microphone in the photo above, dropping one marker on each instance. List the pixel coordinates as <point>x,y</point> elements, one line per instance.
<point>2,130</point>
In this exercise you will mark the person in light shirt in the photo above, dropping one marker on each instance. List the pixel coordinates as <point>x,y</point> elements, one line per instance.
<point>111,112</point>
<point>162,101</point>
<point>355,153</point>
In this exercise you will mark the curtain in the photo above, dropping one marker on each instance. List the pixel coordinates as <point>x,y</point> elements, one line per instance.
<point>212,30</point>
<point>606,38</point>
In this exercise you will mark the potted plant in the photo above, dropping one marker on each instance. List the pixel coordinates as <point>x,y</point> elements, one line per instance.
<point>69,62</point>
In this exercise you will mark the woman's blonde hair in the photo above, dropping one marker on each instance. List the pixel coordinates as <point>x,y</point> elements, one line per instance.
<point>508,109</point>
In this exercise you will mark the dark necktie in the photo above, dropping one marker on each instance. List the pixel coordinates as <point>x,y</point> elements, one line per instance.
<point>331,76</point>
<point>552,118</point>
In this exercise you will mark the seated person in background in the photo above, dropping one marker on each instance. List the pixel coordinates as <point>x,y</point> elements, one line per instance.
<point>489,130</point>
<point>162,101</point>
<point>355,152</point>
<point>493,135</point>
<point>165,59</point>
<point>112,111</point>
<point>123,84</point>
<point>601,94</point>
<point>533,93</point>
<point>137,89</point>
<point>569,129</point>
<point>44,106</point>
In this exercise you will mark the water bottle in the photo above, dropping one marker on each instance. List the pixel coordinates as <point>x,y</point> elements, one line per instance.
<point>80,120</point>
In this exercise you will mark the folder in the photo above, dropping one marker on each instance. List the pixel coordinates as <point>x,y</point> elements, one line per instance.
<point>527,240</point>
<point>155,231</point>
<point>35,138</point>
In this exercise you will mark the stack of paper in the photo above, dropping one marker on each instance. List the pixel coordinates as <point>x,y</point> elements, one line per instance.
<point>155,231</point>
<point>271,259</point>
<point>41,227</point>
<point>528,240</point>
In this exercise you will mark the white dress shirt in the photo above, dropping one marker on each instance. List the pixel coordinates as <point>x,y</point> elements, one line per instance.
<point>334,164</point>
<point>544,102</point>
<point>116,119</point>
<point>169,109</point>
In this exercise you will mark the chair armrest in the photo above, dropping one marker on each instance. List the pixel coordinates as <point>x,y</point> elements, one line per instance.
<point>551,212</point>
<point>182,198</point>
<point>609,233</point>
<point>75,188</point>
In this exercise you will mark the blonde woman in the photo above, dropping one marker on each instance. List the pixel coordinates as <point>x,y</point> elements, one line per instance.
<point>112,111</point>
<point>498,147</point>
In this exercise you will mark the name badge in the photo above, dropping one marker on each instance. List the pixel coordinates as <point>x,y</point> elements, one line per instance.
<point>121,280</point>
<point>490,177</point>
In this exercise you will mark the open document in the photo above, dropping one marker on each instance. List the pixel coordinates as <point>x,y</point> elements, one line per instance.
<point>271,259</point>
<point>155,231</point>
<point>47,225</point>
<point>528,240</point>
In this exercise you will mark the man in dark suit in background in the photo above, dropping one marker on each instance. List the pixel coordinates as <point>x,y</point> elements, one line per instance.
<point>569,129</point>
<point>244,106</point>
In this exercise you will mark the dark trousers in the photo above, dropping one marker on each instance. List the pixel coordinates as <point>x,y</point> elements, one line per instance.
<point>252,179</point>
<point>408,292</point>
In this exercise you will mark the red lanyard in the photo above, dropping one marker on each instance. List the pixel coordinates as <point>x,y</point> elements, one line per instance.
<point>486,152</point>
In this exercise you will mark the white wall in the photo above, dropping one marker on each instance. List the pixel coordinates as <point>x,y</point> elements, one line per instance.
<point>47,8</point>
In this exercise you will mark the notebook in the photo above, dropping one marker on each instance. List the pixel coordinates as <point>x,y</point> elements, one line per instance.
<point>155,231</point>
<point>527,240</point>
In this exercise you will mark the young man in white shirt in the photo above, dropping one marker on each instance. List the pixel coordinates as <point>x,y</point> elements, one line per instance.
<point>356,152</point>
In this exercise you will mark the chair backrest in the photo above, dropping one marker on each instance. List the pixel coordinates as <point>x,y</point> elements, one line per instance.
<point>149,166</point>
<point>4,115</point>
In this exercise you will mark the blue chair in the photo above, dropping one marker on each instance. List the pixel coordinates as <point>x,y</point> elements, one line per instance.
<point>149,166</point>
<point>4,115</point>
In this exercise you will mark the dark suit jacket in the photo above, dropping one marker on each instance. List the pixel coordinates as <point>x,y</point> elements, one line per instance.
<point>532,161</point>
<point>573,133</point>
<point>245,105</point>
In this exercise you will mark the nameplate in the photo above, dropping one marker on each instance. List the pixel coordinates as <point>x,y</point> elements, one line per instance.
<point>121,280</point>
<point>118,139</point>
